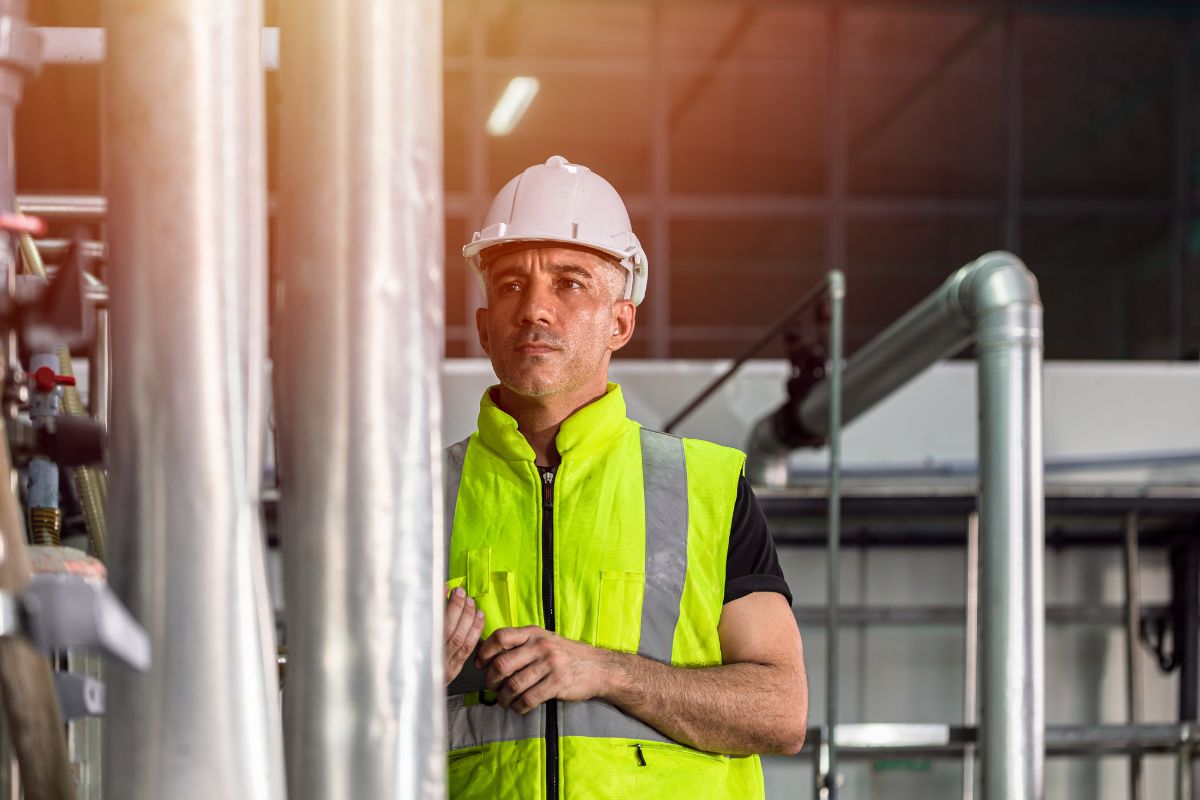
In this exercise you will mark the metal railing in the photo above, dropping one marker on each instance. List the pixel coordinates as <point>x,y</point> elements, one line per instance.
<point>833,290</point>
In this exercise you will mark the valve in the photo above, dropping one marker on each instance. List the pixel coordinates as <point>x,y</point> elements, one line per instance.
<point>45,379</point>
<point>22,223</point>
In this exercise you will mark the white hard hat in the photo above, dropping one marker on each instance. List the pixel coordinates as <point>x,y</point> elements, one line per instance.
<point>563,202</point>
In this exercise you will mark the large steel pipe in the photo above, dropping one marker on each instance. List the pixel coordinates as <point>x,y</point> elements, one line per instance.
<point>994,303</point>
<point>1002,298</point>
<point>186,180</point>
<point>357,396</point>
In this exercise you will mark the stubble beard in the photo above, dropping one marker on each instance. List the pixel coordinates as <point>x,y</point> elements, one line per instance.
<point>535,382</point>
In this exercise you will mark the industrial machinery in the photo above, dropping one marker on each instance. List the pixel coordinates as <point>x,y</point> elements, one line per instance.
<point>184,277</point>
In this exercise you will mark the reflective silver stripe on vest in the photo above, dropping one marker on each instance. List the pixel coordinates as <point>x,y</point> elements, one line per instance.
<point>664,476</point>
<point>598,719</point>
<point>453,458</point>
<point>479,724</point>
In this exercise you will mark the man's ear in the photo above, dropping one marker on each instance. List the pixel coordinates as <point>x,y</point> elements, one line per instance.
<point>481,315</point>
<point>624,321</point>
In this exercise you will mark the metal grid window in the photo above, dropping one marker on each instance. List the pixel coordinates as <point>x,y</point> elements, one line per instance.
<point>758,144</point>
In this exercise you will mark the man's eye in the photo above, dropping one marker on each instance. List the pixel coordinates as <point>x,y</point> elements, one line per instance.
<point>509,288</point>
<point>567,283</point>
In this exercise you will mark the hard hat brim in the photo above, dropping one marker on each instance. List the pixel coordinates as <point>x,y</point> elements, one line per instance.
<point>473,252</point>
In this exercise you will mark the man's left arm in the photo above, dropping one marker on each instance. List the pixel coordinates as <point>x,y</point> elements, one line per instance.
<point>756,701</point>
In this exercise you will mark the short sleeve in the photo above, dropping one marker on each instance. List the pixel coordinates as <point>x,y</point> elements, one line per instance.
<point>751,564</point>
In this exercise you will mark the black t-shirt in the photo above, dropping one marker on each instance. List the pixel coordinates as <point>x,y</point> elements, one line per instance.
<point>751,564</point>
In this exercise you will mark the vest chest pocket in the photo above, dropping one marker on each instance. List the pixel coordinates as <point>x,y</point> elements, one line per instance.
<point>619,610</point>
<point>494,591</point>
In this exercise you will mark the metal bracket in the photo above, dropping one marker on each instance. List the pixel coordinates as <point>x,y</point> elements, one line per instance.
<point>79,696</point>
<point>807,342</point>
<point>68,611</point>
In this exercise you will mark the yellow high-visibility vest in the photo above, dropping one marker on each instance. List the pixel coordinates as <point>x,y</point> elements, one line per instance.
<point>640,524</point>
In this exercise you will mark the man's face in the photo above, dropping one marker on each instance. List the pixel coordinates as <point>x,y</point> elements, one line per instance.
<point>554,317</point>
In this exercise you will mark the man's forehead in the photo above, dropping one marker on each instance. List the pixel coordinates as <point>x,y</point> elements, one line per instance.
<point>548,255</point>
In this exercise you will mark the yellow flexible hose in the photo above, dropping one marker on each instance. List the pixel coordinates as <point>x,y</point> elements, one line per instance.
<point>91,484</point>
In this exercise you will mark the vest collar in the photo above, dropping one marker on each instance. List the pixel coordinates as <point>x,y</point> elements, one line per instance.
<point>586,431</point>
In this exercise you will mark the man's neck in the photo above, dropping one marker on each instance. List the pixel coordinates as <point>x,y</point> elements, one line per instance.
<point>538,419</point>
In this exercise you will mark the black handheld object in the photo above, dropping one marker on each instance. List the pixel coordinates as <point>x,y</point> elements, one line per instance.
<point>470,679</point>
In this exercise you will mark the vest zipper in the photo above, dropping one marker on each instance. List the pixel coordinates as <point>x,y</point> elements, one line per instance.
<point>548,614</point>
<point>641,757</point>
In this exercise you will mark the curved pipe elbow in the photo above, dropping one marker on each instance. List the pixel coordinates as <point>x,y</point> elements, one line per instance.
<point>995,280</point>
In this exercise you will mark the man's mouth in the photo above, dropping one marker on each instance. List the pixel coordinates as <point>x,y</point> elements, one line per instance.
<point>535,349</point>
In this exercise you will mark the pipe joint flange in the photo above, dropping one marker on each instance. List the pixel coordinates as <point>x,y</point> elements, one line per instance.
<point>1015,324</point>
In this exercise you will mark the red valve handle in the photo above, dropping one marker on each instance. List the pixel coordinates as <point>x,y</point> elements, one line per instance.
<point>22,223</point>
<point>46,379</point>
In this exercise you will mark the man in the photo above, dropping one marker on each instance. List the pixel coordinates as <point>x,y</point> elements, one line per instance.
<point>639,634</point>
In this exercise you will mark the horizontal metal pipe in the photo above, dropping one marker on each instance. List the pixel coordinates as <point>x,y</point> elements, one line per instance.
<point>186,175</point>
<point>874,740</point>
<point>937,327</point>
<point>936,616</point>
<point>53,248</point>
<point>79,46</point>
<point>64,206</point>
<point>683,206</point>
<point>967,469</point>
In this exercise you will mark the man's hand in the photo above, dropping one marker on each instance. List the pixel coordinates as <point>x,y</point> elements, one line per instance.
<point>528,666</point>
<point>462,625</point>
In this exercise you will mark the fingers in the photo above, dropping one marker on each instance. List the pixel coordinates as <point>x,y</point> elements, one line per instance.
<point>462,627</point>
<point>455,605</point>
<point>506,664</point>
<point>521,681</point>
<point>534,695</point>
<point>504,639</point>
<point>456,640</point>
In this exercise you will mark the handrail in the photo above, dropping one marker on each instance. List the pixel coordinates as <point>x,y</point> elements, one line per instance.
<point>815,293</point>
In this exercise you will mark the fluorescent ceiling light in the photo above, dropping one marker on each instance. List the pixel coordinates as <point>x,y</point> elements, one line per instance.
<point>512,104</point>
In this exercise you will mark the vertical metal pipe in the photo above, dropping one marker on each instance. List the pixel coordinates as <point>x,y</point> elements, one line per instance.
<point>1182,192</point>
<point>821,764</point>
<point>1004,301</point>
<point>1186,772</point>
<point>357,395</point>
<point>85,742</point>
<point>184,129</point>
<point>100,370</point>
<point>837,295</point>
<point>478,180</point>
<point>660,181</point>
<point>1185,597</point>
<point>836,140</point>
<point>1133,664</point>
<point>971,652</point>
<point>1013,139</point>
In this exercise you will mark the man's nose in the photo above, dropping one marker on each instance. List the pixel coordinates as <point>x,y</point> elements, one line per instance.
<point>537,305</point>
